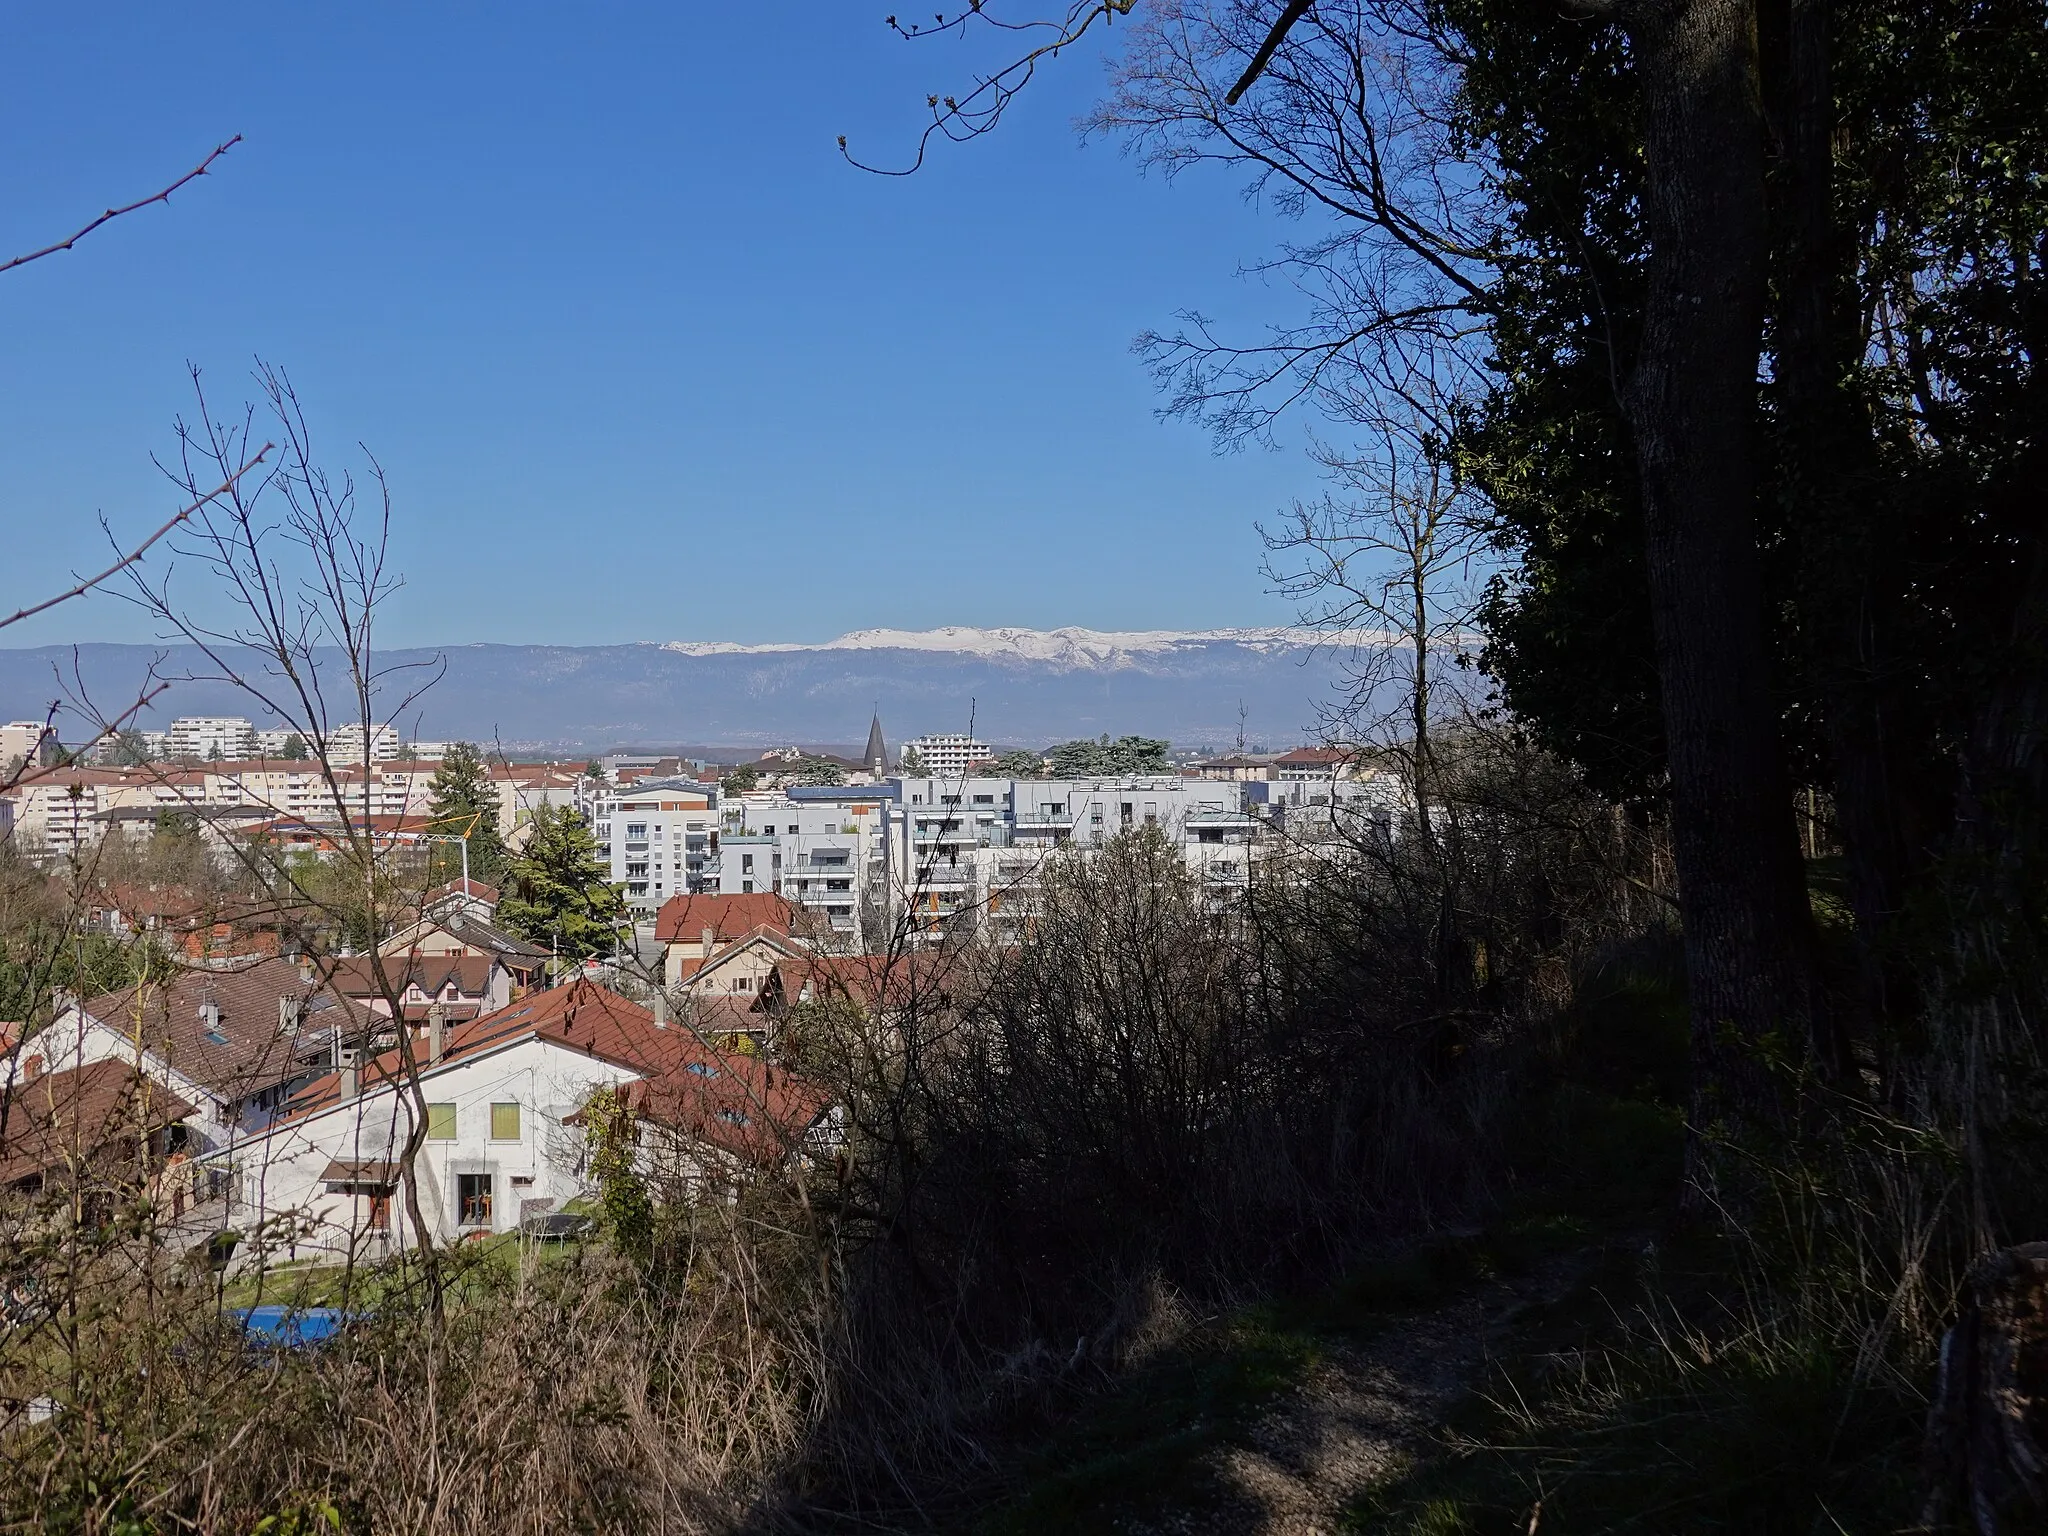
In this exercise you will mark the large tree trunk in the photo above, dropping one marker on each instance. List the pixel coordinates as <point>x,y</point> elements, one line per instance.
<point>1692,409</point>
<point>1843,525</point>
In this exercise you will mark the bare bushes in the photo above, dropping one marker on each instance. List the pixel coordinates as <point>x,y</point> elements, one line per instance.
<point>1170,1089</point>
<point>551,1391</point>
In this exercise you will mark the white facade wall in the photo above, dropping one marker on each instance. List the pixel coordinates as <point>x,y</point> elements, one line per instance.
<point>959,845</point>
<point>826,854</point>
<point>345,743</point>
<point>1334,809</point>
<point>948,756</point>
<point>76,1039</point>
<point>209,736</point>
<point>19,740</point>
<point>282,1170</point>
<point>659,840</point>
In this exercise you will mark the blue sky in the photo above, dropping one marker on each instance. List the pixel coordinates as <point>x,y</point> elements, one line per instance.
<point>642,357</point>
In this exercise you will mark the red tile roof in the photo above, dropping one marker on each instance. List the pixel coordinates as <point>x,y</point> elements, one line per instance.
<point>99,1112</point>
<point>477,891</point>
<point>731,1100</point>
<point>355,976</point>
<point>683,919</point>
<point>872,980</point>
<point>581,1016</point>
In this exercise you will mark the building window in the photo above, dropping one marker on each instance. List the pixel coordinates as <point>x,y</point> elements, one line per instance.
<point>440,1122</point>
<point>746,862</point>
<point>636,829</point>
<point>504,1122</point>
<point>746,887</point>
<point>473,1193</point>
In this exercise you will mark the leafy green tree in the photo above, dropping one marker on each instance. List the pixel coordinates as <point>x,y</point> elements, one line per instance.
<point>1084,759</point>
<point>558,890</point>
<point>622,1197</point>
<point>912,764</point>
<point>294,748</point>
<point>817,770</point>
<point>464,803</point>
<point>129,749</point>
<point>1018,765</point>
<point>740,781</point>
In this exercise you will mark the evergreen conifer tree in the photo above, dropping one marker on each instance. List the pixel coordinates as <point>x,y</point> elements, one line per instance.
<point>464,803</point>
<point>558,889</point>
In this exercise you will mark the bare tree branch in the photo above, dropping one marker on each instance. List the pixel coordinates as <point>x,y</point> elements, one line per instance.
<point>114,213</point>
<point>1296,9</point>
<point>143,548</point>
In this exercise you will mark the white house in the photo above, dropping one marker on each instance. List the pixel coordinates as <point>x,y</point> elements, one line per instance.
<point>232,1042</point>
<point>504,1140</point>
<point>497,1091</point>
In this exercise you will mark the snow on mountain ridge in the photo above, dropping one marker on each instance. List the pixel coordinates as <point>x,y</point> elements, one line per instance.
<point>1068,647</point>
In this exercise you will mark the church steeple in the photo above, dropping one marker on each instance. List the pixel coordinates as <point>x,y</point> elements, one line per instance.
<point>877,758</point>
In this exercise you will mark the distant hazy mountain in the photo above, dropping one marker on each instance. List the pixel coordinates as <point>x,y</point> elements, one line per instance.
<point>1019,686</point>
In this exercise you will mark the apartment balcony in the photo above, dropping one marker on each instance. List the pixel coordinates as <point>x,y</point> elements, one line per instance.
<point>945,876</point>
<point>1205,819</point>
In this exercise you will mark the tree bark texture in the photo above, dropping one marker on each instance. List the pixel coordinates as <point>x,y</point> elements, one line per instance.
<point>1691,403</point>
<point>1987,1428</point>
<point>1850,550</point>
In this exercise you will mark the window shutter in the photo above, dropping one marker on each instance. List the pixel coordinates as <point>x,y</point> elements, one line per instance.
<point>440,1122</point>
<point>504,1122</point>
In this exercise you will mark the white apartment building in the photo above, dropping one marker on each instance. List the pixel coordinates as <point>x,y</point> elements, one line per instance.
<point>345,743</point>
<point>979,843</point>
<point>1332,809</point>
<point>523,788</point>
<point>660,834</point>
<point>205,737</point>
<point>822,847</point>
<point>62,814</point>
<point>19,742</point>
<point>948,756</point>
<point>275,743</point>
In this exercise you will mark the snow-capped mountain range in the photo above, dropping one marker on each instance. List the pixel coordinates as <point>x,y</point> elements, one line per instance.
<point>1065,647</point>
<point>1011,686</point>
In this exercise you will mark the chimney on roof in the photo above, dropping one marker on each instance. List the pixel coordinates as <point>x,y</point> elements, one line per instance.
<point>305,967</point>
<point>209,1015</point>
<point>351,1072</point>
<point>289,1013</point>
<point>710,938</point>
<point>660,1009</point>
<point>437,1034</point>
